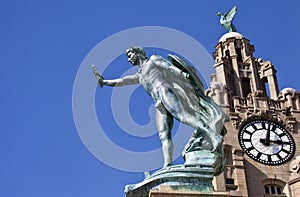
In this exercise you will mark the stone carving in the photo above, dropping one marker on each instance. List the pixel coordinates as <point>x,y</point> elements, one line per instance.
<point>235,119</point>
<point>285,92</point>
<point>215,86</point>
<point>295,165</point>
<point>291,124</point>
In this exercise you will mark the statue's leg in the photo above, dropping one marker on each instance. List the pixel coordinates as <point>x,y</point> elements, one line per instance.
<point>179,110</point>
<point>164,124</point>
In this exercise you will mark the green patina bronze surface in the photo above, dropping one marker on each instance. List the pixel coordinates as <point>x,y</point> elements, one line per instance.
<point>178,93</point>
<point>226,19</point>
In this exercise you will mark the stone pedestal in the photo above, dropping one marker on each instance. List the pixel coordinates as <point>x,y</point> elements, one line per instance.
<point>168,192</point>
<point>178,177</point>
<point>196,174</point>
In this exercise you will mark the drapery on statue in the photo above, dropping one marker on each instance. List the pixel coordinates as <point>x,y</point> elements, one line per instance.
<point>226,19</point>
<point>178,93</point>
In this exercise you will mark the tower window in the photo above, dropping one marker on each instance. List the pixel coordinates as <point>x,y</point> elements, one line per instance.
<point>265,86</point>
<point>273,189</point>
<point>279,190</point>
<point>230,185</point>
<point>246,86</point>
<point>267,89</point>
<point>267,190</point>
<point>229,181</point>
<point>227,54</point>
<point>239,55</point>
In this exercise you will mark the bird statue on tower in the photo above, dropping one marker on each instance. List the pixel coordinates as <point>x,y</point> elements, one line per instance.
<point>226,19</point>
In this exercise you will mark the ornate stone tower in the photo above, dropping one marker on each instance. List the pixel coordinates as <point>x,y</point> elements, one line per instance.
<point>263,137</point>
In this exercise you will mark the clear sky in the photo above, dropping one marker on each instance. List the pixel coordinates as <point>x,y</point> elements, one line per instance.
<point>43,45</point>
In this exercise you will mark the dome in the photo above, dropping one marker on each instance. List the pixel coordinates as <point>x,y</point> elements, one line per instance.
<point>231,35</point>
<point>287,90</point>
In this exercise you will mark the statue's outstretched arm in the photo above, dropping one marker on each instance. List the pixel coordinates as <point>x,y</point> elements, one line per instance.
<point>127,80</point>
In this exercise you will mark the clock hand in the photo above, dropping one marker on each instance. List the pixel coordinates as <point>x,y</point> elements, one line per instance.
<point>266,140</point>
<point>276,141</point>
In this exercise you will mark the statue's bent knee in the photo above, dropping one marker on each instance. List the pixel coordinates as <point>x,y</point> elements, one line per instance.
<point>164,135</point>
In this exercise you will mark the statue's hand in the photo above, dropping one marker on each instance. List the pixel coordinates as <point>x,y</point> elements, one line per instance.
<point>100,81</point>
<point>98,77</point>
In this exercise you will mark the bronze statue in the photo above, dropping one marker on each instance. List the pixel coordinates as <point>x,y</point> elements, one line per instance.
<point>226,19</point>
<point>178,93</point>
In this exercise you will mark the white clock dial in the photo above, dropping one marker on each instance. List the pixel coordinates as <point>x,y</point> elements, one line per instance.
<point>266,142</point>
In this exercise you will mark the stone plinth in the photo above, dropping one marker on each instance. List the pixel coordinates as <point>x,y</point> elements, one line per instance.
<point>176,178</point>
<point>165,191</point>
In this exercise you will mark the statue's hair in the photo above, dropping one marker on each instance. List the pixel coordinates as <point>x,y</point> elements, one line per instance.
<point>136,49</point>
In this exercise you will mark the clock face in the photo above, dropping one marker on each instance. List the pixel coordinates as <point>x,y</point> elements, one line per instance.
<point>266,142</point>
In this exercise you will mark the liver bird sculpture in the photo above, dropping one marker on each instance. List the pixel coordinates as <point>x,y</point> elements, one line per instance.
<point>225,19</point>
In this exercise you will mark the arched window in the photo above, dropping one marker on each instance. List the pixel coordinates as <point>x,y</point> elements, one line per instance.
<point>273,187</point>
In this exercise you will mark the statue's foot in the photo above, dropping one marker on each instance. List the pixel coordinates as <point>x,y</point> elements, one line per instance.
<point>147,175</point>
<point>168,164</point>
<point>187,147</point>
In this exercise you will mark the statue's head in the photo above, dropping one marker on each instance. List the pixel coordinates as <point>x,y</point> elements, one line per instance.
<point>135,54</point>
<point>220,14</point>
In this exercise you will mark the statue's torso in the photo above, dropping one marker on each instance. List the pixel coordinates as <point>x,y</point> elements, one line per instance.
<point>151,77</point>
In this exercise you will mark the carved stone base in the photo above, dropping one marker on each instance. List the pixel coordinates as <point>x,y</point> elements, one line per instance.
<point>178,177</point>
<point>166,192</point>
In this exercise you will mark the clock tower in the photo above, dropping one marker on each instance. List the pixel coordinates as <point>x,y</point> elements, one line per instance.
<point>262,145</point>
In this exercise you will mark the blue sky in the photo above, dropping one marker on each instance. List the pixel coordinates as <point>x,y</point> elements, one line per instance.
<point>43,44</point>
